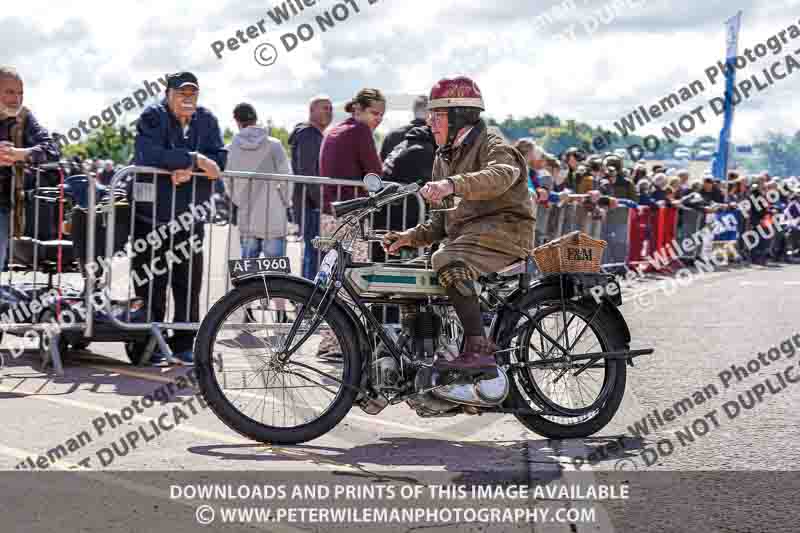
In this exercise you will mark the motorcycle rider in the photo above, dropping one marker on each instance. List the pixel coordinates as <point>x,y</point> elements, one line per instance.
<point>491,224</point>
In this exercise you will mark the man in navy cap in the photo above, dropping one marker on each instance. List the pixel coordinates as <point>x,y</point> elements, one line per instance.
<point>179,136</point>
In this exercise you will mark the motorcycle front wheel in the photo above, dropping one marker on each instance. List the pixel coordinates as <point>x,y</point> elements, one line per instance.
<point>240,374</point>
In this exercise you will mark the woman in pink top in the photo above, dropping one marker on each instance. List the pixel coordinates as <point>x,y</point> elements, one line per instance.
<point>348,150</point>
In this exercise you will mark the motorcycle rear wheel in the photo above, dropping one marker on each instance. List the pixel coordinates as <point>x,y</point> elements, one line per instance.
<point>529,387</point>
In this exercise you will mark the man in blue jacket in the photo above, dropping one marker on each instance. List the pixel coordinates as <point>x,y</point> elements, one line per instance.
<point>179,136</point>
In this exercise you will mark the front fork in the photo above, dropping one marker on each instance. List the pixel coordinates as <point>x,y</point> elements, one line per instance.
<point>332,285</point>
<point>326,301</point>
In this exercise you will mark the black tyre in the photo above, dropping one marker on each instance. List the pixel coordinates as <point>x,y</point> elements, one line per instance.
<point>245,329</point>
<point>63,345</point>
<point>81,344</point>
<point>48,315</point>
<point>584,410</point>
<point>135,350</point>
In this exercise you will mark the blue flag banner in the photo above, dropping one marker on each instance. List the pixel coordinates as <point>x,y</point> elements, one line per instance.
<point>732,25</point>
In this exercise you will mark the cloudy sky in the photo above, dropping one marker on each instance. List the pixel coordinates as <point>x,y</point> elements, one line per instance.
<point>78,58</point>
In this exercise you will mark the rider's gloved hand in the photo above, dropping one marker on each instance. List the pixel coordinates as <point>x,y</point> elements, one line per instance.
<point>436,191</point>
<point>393,241</point>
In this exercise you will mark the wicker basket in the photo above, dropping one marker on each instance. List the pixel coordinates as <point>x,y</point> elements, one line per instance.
<point>574,252</point>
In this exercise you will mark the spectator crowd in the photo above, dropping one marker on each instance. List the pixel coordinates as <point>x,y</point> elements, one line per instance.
<point>601,182</point>
<point>184,138</point>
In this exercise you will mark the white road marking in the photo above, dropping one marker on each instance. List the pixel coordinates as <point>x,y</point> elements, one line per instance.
<point>371,420</point>
<point>141,418</point>
<point>22,455</point>
<point>561,454</point>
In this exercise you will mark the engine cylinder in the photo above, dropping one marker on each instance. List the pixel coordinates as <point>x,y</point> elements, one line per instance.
<point>427,327</point>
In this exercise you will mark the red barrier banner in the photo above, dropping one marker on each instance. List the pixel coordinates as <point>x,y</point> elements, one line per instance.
<point>650,231</point>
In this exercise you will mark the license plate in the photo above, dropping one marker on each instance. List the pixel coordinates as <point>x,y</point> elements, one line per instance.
<point>242,267</point>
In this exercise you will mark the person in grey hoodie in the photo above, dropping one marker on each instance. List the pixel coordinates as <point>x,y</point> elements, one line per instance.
<point>262,204</point>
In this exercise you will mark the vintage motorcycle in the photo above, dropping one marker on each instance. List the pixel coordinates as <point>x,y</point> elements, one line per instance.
<point>282,359</point>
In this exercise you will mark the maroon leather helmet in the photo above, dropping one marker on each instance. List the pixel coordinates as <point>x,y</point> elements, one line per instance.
<point>456,92</point>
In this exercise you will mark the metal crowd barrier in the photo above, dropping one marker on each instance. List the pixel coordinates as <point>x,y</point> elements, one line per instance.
<point>554,221</point>
<point>215,280</point>
<point>133,230</point>
<point>633,234</point>
<point>40,244</point>
<point>690,222</point>
<point>615,233</point>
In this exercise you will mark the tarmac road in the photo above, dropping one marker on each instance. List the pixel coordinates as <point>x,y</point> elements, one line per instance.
<point>724,319</point>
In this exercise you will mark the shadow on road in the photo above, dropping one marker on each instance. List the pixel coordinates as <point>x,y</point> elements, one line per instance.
<point>501,458</point>
<point>24,373</point>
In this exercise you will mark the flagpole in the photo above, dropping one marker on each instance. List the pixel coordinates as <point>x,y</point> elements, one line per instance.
<point>720,167</point>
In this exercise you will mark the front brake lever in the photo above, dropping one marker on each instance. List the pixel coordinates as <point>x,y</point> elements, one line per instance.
<point>444,210</point>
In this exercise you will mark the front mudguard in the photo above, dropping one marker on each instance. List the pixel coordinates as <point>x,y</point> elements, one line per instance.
<point>584,288</point>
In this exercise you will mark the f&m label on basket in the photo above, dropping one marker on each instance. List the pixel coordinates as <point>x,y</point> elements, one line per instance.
<point>579,254</point>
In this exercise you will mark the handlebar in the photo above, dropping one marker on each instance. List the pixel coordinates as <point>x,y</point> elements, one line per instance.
<point>391,193</point>
<point>55,165</point>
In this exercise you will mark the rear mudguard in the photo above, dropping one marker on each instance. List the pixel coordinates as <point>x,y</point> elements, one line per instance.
<point>357,327</point>
<point>576,286</point>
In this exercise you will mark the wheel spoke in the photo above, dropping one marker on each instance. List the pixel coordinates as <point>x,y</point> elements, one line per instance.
<point>273,393</point>
<point>576,389</point>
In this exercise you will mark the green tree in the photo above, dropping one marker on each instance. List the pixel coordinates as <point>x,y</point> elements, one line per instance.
<point>227,136</point>
<point>106,143</point>
<point>282,134</point>
<point>558,140</point>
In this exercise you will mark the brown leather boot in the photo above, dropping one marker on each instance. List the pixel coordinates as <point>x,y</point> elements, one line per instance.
<point>477,359</point>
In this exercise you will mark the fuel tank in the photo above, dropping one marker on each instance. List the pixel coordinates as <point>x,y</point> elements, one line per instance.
<point>389,280</point>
